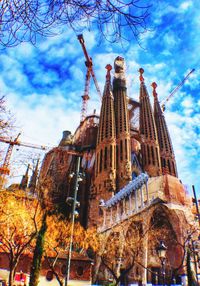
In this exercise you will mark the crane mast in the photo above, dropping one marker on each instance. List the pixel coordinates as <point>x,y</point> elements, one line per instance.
<point>89,73</point>
<point>176,89</point>
<point>4,169</point>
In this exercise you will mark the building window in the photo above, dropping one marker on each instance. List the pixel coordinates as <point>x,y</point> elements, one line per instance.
<point>157,156</point>
<point>49,275</point>
<point>117,154</point>
<point>63,269</point>
<point>121,150</point>
<point>80,271</point>
<point>169,166</point>
<point>164,163</point>
<point>143,155</point>
<point>100,162</point>
<point>173,168</point>
<point>111,156</point>
<point>126,147</point>
<point>148,152</point>
<point>152,153</point>
<point>97,163</point>
<point>105,158</point>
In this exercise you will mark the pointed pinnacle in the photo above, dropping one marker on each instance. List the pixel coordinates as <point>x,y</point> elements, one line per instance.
<point>108,67</point>
<point>154,85</point>
<point>141,71</point>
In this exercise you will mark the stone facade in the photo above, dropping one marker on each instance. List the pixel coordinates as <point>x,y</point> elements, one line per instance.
<point>130,185</point>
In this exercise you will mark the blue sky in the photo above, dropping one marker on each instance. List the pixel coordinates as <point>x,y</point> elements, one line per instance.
<point>43,84</point>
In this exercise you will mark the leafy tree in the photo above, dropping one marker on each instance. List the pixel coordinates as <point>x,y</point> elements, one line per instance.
<point>24,20</point>
<point>54,236</point>
<point>58,238</point>
<point>122,248</point>
<point>19,219</point>
<point>38,253</point>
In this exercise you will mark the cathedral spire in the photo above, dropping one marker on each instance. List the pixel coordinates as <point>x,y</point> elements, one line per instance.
<point>24,181</point>
<point>105,164</point>
<point>149,140</point>
<point>168,162</point>
<point>123,152</point>
<point>34,177</point>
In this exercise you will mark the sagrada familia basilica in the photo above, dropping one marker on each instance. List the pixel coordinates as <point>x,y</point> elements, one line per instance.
<point>131,191</point>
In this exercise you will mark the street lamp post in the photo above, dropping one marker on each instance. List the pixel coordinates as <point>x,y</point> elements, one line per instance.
<point>73,215</point>
<point>162,250</point>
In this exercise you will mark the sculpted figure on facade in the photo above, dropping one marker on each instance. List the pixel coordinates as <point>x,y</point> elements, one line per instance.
<point>128,170</point>
<point>111,180</point>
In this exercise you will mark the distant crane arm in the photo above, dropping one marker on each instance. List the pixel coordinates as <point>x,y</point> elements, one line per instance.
<point>82,42</point>
<point>176,89</point>
<point>24,144</point>
<point>96,84</point>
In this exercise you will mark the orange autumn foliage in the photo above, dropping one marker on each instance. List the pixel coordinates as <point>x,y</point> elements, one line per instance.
<point>58,236</point>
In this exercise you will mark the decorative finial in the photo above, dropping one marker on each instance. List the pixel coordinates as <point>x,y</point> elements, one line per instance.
<point>108,67</point>
<point>141,71</point>
<point>154,85</point>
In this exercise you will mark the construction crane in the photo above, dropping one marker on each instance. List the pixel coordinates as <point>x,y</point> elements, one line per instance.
<point>4,169</point>
<point>175,90</point>
<point>89,73</point>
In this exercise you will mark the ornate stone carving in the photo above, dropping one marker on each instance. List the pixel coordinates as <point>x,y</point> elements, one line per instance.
<point>128,170</point>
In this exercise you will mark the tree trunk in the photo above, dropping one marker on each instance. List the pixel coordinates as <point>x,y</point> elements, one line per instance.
<point>60,282</point>
<point>51,266</point>
<point>10,280</point>
<point>12,269</point>
<point>38,253</point>
<point>190,272</point>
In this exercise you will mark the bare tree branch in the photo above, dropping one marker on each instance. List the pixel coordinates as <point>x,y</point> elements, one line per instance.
<point>25,20</point>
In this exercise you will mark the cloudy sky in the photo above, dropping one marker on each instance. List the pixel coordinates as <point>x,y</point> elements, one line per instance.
<point>43,84</point>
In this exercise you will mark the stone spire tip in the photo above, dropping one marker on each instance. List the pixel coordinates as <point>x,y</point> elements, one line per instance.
<point>154,85</point>
<point>108,67</point>
<point>141,71</point>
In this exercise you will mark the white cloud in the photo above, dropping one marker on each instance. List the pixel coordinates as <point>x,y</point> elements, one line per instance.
<point>185,5</point>
<point>170,39</point>
<point>188,102</point>
<point>45,122</point>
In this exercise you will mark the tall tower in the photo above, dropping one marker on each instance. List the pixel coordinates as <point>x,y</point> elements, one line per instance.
<point>105,165</point>
<point>24,181</point>
<point>168,161</point>
<point>33,179</point>
<point>123,152</point>
<point>149,140</point>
